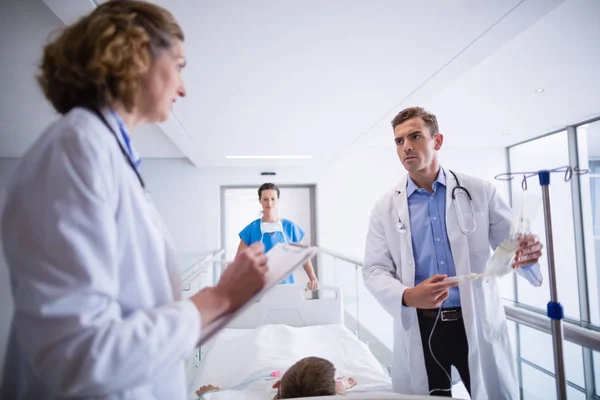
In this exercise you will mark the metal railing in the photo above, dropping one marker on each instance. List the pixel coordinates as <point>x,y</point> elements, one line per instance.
<point>573,333</point>
<point>193,278</point>
<point>342,257</point>
<point>199,266</point>
<point>576,334</point>
<point>371,324</point>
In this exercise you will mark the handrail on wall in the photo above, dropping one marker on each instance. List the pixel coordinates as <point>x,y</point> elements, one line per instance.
<point>342,257</point>
<point>576,334</point>
<point>198,267</point>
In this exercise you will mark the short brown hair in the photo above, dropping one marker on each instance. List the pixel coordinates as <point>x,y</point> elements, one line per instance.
<point>309,377</point>
<point>100,58</point>
<point>417,112</point>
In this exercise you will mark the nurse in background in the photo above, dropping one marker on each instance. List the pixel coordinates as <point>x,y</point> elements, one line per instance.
<point>271,229</point>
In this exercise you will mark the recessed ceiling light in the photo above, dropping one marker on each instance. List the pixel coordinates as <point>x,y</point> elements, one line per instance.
<point>539,90</point>
<point>258,157</point>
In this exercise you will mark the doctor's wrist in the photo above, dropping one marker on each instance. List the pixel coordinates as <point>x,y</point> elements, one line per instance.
<point>212,304</point>
<point>405,296</point>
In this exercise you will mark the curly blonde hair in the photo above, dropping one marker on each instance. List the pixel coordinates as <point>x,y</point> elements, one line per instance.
<point>99,59</point>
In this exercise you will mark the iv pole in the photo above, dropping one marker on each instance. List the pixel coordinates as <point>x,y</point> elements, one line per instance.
<point>554,308</point>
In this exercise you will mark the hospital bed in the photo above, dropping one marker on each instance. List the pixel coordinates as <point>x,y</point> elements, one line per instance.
<point>284,326</point>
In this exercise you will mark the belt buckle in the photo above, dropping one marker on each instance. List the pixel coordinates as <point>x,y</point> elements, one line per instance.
<point>449,318</point>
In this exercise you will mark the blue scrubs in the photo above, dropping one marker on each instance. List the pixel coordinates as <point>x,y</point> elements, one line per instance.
<point>293,233</point>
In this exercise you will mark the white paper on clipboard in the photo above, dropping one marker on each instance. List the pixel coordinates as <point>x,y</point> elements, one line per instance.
<point>283,259</point>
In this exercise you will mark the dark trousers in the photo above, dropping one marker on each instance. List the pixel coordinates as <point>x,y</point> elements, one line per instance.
<point>450,347</point>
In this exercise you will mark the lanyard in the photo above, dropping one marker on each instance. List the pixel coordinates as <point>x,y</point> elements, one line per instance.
<point>136,160</point>
<point>125,153</point>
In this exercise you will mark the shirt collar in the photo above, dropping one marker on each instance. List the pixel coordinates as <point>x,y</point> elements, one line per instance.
<point>412,187</point>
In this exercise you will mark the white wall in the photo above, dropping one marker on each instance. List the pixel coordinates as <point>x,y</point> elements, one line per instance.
<point>188,198</point>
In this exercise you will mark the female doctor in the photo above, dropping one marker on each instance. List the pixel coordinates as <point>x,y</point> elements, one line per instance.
<point>271,229</point>
<point>98,312</point>
<point>416,239</point>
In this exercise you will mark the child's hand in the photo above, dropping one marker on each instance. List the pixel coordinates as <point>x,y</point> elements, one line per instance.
<point>206,388</point>
<point>342,384</point>
<point>351,383</point>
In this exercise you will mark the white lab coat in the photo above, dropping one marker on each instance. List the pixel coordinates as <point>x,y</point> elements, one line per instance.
<point>389,268</point>
<point>97,298</point>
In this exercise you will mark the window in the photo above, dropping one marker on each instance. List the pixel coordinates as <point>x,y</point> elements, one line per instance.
<point>536,349</point>
<point>541,386</point>
<point>594,178</point>
<point>576,267</point>
<point>588,148</point>
<point>596,360</point>
<point>550,152</point>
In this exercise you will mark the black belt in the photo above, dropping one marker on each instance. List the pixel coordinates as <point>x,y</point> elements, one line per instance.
<point>447,314</point>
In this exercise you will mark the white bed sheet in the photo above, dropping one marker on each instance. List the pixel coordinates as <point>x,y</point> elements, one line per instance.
<point>235,356</point>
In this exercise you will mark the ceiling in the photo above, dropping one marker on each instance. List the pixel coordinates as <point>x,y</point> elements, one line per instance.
<point>316,77</point>
<point>497,103</point>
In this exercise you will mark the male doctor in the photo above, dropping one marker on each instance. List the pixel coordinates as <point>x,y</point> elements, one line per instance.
<point>414,242</point>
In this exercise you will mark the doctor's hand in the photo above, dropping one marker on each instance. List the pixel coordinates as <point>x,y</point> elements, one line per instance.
<point>529,252</point>
<point>428,294</point>
<point>245,276</point>
<point>242,278</point>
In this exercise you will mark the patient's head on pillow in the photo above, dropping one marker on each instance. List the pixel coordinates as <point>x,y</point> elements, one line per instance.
<point>311,376</point>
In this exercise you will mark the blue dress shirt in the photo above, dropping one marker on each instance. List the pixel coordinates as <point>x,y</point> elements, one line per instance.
<point>431,247</point>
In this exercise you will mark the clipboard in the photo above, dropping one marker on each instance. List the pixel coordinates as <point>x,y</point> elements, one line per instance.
<point>282,260</point>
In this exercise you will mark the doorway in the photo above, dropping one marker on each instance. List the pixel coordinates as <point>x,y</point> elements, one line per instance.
<point>240,206</point>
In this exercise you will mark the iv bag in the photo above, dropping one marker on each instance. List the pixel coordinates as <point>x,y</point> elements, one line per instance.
<point>524,214</point>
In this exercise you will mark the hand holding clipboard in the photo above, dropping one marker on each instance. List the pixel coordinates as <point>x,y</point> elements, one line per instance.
<point>280,261</point>
<point>245,276</point>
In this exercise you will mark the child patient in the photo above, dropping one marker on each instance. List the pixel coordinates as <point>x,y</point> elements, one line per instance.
<point>309,377</point>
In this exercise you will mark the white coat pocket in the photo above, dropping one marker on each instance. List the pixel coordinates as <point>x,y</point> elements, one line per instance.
<point>489,308</point>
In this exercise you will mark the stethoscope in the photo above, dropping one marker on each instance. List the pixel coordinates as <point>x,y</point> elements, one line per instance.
<point>165,233</point>
<point>456,191</point>
<point>125,153</point>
